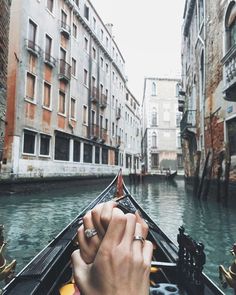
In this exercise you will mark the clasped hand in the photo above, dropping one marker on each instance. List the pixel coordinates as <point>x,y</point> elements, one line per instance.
<point>112,262</point>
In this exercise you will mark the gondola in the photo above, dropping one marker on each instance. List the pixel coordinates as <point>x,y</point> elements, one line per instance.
<point>161,176</point>
<point>175,270</point>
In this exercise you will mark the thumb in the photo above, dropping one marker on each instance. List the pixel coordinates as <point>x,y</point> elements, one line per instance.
<point>80,270</point>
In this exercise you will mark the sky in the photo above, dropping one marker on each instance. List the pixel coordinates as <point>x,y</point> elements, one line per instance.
<point>148,35</point>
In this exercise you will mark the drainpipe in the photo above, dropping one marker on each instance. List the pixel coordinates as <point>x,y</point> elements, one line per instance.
<point>204,62</point>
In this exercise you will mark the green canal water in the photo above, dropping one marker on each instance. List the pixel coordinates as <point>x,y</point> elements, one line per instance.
<point>32,219</point>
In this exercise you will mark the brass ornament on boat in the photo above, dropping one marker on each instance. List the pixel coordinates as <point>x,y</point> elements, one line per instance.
<point>6,269</point>
<point>228,277</point>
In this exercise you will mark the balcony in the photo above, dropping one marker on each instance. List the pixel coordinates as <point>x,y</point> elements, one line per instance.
<point>94,95</point>
<point>118,141</point>
<point>103,101</point>
<point>94,131</point>
<point>49,60</point>
<point>188,123</point>
<point>64,71</point>
<point>229,69</point>
<point>65,29</point>
<point>33,48</point>
<point>103,135</point>
<point>118,113</point>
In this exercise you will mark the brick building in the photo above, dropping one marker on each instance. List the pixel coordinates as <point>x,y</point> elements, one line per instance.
<point>4,31</point>
<point>208,94</point>
<point>67,94</point>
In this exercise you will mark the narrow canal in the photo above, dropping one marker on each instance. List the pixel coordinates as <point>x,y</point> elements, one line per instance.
<point>32,219</point>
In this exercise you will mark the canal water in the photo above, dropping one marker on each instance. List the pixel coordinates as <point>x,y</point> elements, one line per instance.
<point>32,219</point>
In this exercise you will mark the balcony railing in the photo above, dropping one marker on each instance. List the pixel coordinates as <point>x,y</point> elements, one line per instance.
<point>118,113</point>
<point>64,70</point>
<point>188,121</point>
<point>94,131</point>
<point>229,68</point>
<point>49,60</point>
<point>65,29</point>
<point>94,95</point>
<point>103,102</point>
<point>33,48</point>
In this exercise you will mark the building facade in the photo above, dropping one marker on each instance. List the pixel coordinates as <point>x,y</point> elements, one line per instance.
<point>208,94</point>
<point>161,145</point>
<point>4,33</point>
<point>66,92</point>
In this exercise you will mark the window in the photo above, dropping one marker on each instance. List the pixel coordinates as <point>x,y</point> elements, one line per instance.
<point>94,23</point>
<point>200,12</point>
<point>97,154</point>
<point>62,148</point>
<point>102,34</point>
<point>32,34</point>
<point>44,145</point>
<point>74,31</point>
<point>76,151</point>
<point>104,156</point>
<point>85,115</point>
<point>106,124</point>
<point>85,77</point>
<point>113,129</point>
<point>48,48</point>
<point>63,18</point>
<point>155,160</point>
<point>231,127</point>
<point>231,25</point>
<point>101,63</point>
<point>30,86</point>
<point>50,5</point>
<point>86,12</point>
<point>85,44</point>
<point>47,95</point>
<point>72,108</point>
<point>107,68</point>
<point>73,67</point>
<point>88,149</point>
<point>154,89</point>
<point>154,140</point>
<point>154,117</point>
<point>94,53</point>
<point>107,42</point>
<point>116,158</point>
<point>62,102</point>
<point>29,142</point>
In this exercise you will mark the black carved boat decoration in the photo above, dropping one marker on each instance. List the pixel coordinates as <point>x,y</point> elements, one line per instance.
<point>175,270</point>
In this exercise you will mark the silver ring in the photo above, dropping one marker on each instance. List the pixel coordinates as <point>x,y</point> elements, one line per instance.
<point>138,238</point>
<point>90,232</point>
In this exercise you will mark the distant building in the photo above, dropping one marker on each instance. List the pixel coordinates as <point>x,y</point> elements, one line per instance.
<point>208,94</point>
<point>67,93</point>
<point>161,144</point>
<point>4,32</point>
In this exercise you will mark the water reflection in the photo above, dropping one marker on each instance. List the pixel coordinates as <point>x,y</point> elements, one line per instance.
<point>32,220</point>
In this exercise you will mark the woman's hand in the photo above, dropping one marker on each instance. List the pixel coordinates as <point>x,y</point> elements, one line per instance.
<point>99,218</point>
<point>121,265</point>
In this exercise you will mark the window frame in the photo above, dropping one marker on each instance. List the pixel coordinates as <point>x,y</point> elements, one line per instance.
<point>25,130</point>
<point>27,98</point>
<point>49,146</point>
<point>50,105</point>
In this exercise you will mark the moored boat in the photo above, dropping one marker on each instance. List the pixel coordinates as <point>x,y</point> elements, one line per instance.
<point>175,270</point>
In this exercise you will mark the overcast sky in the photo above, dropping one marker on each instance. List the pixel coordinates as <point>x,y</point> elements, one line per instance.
<point>148,35</point>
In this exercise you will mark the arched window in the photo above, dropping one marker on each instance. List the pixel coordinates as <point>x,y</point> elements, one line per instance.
<point>230,25</point>
<point>154,140</point>
<point>154,117</point>
<point>154,89</point>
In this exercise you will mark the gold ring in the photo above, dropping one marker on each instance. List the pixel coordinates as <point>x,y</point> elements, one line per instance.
<point>90,232</point>
<point>139,238</point>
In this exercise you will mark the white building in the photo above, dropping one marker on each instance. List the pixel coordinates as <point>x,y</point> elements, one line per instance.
<point>66,93</point>
<point>161,143</point>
